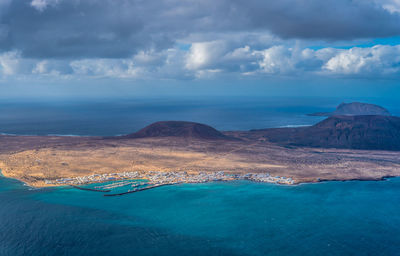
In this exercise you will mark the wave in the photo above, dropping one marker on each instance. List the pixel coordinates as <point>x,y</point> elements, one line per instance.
<point>294,125</point>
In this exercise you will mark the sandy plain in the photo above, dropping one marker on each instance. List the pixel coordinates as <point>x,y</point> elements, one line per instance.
<point>34,159</point>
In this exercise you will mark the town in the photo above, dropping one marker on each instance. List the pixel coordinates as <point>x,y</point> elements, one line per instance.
<point>153,178</point>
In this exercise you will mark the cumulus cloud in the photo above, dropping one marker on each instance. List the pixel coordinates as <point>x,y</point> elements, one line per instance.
<point>212,59</point>
<point>9,62</point>
<point>204,54</point>
<point>376,60</point>
<point>41,5</point>
<point>58,69</point>
<point>174,39</point>
<point>41,67</point>
<point>277,59</point>
<point>392,6</point>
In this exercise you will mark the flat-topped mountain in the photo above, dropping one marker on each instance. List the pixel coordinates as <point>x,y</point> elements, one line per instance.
<point>354,109</point>
<point>179,129</point>
<point>353,132</point>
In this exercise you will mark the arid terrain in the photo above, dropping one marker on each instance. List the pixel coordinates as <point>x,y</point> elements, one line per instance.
<point>33,159</point>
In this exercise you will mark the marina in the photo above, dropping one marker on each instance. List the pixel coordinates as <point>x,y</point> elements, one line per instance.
<point>130,182</point>
<point>137,190</point>
<point>120,184</point>
<point>152,177</point>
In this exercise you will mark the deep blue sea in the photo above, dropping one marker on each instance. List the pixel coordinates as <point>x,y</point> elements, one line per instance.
<point>123,116</point>
<point>233,218</point>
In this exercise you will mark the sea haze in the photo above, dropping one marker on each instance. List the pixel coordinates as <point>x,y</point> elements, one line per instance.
<point>122,116</point>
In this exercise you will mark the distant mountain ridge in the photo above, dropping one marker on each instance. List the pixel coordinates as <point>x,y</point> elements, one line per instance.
<point>369,132</point>
<point>354,109</point>
<point>179,129</point>
<point>353,132</point>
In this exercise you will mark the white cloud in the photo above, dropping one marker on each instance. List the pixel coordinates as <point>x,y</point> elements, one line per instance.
<point>325,54</point>
<point>41,5</point>
<point>205,54</point>
<point>113,68</point>
<point>207,60</point>
<point>277,59</point>
<point>51,68</point>
<point>149,58</point>
<point>376,60</point>
<point>392,6</point>
<point>162,64</point>
<point>9,63</point>
<point>210,59</point>
<point>41,67</point>
<point>240,53</point>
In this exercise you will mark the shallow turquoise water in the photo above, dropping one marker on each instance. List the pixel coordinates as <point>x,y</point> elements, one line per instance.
<point>234,218</point>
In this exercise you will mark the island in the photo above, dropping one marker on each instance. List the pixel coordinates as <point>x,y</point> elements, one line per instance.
<point>355,109</point>
<point>351,132</point>
<point>170,152</point>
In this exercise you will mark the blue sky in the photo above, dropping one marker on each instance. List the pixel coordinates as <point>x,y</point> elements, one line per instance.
<point>99,48</point>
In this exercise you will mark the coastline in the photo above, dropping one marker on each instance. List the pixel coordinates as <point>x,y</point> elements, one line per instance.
<point>40,161</point>
<point>295,183</point>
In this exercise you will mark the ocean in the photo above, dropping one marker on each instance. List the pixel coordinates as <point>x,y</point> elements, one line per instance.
<point>123,116</point>
<point>220,218</point>
<point>233,218</point>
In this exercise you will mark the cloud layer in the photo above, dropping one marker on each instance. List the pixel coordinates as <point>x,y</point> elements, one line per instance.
<point>119,28</point>
<point>191,39</point>
<point>211,59</point>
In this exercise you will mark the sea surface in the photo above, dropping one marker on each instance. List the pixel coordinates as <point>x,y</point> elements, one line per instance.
<point>124,116</point>
<point>221,218</point>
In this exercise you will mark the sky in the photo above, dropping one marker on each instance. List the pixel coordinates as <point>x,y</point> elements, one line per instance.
<point>104,48</point>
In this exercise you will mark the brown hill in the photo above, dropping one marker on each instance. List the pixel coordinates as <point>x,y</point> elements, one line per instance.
<point>179,129</point>
<point>356,108</point>
<point>353,132</point>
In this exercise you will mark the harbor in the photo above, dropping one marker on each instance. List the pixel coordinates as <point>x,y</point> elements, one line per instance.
<point>137,190</point>
<point>90,189</point>
<point>154,177</point>
<point>116,184</point>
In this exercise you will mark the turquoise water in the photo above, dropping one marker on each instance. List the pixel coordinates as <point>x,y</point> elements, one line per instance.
<point>233,218</point>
